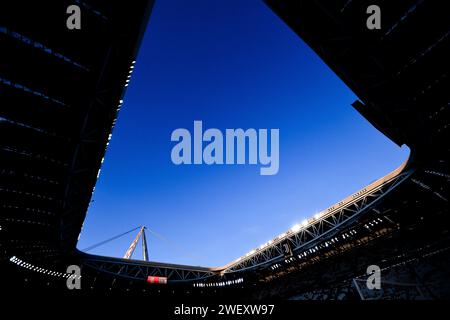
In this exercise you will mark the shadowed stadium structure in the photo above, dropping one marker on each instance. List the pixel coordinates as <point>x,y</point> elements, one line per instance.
<point>61,91</point>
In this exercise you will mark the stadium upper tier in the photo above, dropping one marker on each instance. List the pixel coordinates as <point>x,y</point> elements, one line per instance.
<point>61,91</point>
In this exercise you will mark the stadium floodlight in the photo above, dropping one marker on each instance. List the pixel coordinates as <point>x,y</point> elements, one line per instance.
<point>296,228</point>
<point>304,223</point>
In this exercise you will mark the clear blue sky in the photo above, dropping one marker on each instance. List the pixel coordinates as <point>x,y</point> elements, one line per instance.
<point>231,64</point>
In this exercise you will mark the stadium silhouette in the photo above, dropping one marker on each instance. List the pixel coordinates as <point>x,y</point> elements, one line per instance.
<point>48,168</point>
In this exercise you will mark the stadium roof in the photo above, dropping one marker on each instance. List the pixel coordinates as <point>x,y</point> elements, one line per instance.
<point>61,90</point>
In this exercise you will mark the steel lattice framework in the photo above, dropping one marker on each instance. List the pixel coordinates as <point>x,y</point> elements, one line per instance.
<point>332,221</point>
